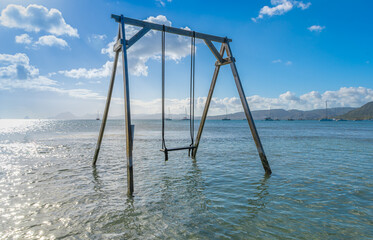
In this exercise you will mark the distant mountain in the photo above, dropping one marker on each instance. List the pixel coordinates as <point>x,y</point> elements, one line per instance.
<point>282,114</point>
<point>159,116</point>
<point>363,113</point>
<point>65,115</point>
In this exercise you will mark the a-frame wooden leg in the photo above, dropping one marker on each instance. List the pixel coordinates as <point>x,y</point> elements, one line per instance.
<point>104,117</point>
<point>129,138</point>
<point>246,108</point>
<point>207,105</point>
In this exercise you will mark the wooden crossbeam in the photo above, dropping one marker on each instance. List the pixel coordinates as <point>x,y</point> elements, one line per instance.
<point>159,27</point>
<point>213,50</point>
<point>137,37</point>
<point>117,46</point>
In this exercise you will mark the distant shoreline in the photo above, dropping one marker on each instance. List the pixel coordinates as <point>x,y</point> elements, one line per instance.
<point>341,113</point>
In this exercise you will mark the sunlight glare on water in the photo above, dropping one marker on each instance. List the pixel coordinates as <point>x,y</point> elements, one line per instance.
<point>321,186</point>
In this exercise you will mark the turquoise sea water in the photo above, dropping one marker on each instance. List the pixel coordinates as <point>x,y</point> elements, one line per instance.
<point>321,186</point>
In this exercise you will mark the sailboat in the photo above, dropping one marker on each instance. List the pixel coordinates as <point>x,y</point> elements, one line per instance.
<point>186,116</point>
<point>326,119</point>
<point>269,118</point>
<point>169,115</point>
<point>226,116</point>
<point>98,116</point>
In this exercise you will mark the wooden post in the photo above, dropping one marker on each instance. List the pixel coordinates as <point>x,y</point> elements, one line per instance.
<point>104,117</point>
<point>246,108</point>
<point>127,110</point>
<point>207,105</point>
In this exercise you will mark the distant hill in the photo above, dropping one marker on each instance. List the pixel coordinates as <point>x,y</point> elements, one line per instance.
<point>282,114</point>
<point>363,113</point>
<point>65,115</point>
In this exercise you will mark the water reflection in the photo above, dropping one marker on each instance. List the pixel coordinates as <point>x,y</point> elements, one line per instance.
<point>123,223</point>
<point>183,202</point>
<point>258,199</point>
<point>97,182</point>
<point>49,190</point>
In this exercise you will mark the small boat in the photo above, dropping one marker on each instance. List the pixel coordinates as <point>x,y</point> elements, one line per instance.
<point>98,117</point>
<point>186,116</point>
<point>326,119</point>
<point>290,119</point>
<point>169,116</point>
<point>269,118</point>
<point>226,116</point>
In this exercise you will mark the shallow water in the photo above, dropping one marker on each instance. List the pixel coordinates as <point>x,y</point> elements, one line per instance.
<point>321,186</point>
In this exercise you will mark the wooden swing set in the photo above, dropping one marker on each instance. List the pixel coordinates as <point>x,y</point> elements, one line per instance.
<point>122,45</point>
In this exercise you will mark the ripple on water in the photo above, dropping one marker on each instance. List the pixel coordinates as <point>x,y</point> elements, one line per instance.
<point>320,187</point>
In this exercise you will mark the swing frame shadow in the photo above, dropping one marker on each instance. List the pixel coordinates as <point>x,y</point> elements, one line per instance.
<point>122,45</point>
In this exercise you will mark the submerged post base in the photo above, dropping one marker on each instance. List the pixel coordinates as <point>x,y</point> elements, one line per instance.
<point>265,163</point>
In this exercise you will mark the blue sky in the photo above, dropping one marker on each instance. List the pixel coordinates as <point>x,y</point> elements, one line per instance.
<point>55,55</point>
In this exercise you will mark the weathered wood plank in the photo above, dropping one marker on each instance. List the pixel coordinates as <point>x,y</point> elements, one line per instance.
<point>168,29</point>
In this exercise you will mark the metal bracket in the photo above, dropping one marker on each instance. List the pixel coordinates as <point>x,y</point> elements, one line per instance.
<point>225,61</point>
<point>118,45</point>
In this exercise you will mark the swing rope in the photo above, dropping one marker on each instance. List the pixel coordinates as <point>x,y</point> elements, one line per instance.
<point>191,92</point>
<point>163,84</point>
<point>192,83</point>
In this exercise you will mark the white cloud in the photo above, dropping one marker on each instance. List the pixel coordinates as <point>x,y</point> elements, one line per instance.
<point>280,7</point>
<point>24,39</point>
<point>316,28</point>
<point>47,40</point>
<point>50,40</point>
<point>109,48</point>
<point>16,67</point>
<point>97,38</point>
<point>78,73</point>
<point>17,73</point>
<point>302,5</point>
<point>149,47</point>
<point>162,2</point>
<point>35,18</point>
<point>287,63</point>
<point>344,97</point>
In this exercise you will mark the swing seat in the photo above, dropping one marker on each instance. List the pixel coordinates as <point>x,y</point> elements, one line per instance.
<point>177,148</point>
<point>166,150</point>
